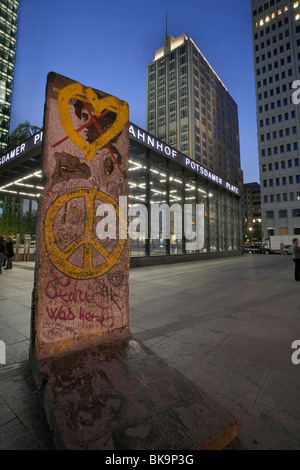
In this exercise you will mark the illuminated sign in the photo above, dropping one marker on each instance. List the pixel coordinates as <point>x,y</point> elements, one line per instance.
<point>164,149</point>
<point>139,135</point>
<point>21,149</point>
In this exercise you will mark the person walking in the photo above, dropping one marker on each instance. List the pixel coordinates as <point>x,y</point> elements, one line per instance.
<point>296,258</point>
<point>10,252</point>
<point>2,253</point>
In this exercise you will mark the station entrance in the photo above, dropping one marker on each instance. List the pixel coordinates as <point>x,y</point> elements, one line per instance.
<point>158,174</point>
<point>20,189</point>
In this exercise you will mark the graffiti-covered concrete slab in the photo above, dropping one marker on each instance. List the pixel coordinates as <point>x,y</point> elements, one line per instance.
<point>101,389</point>
<point>81,286</point>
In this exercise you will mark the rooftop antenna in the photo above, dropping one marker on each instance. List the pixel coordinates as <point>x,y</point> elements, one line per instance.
<point>166,23</point>
<point>167,28</point>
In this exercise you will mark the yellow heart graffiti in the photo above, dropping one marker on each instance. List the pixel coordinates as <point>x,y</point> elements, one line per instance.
<point>111,103</point>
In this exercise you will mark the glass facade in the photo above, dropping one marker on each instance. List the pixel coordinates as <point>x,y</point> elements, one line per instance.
<point>196,216</point>
<point>177,208</point>
<point>9,10</point>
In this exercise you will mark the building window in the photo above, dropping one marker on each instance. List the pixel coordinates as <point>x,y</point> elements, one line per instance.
<point>283,214</point>
<point>184,147</point>
<point>183,113</point>
<point>296,212</point>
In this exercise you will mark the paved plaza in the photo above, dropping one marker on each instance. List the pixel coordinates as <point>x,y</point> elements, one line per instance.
<point>226,324</point>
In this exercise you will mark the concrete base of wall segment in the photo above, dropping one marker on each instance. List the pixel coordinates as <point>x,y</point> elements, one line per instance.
<point>121,396</point>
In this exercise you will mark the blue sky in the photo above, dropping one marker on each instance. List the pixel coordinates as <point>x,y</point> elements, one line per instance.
<point>108,44</point>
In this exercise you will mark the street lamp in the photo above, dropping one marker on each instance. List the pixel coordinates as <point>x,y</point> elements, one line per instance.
<point>251,230</point>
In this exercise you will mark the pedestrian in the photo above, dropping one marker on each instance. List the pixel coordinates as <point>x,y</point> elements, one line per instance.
<point>2,253</point>
<point>10,252</point>
<point>296,258</point>
<point>5,251</point>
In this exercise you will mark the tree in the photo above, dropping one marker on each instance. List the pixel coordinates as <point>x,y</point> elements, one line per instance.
<point>22,132</point>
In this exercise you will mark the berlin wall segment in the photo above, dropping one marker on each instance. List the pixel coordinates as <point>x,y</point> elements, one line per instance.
<point>81,289</point>
<point>83,356</point>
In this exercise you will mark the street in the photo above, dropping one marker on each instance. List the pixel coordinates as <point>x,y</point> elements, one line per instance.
<point>226,324</point>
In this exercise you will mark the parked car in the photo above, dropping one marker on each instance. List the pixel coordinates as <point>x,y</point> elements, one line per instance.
<point>288,249</point>
<point>253,249</point>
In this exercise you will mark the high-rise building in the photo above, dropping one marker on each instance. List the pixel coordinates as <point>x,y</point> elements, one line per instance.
<point>9,11</point>
<point>252,204</point>
<point>276,47</point>
<point>190,108</point>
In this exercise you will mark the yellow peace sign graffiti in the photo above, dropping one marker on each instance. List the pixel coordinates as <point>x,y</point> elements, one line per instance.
<point>88,240</point>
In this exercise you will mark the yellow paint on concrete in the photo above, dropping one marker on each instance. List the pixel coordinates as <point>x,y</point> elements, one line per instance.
<point>60,257</point>
<point>111,103</point>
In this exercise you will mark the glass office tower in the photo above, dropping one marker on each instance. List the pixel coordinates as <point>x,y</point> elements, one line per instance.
<point>9,10</point>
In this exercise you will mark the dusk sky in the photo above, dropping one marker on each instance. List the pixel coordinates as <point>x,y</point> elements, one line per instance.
<point>108,44</point>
